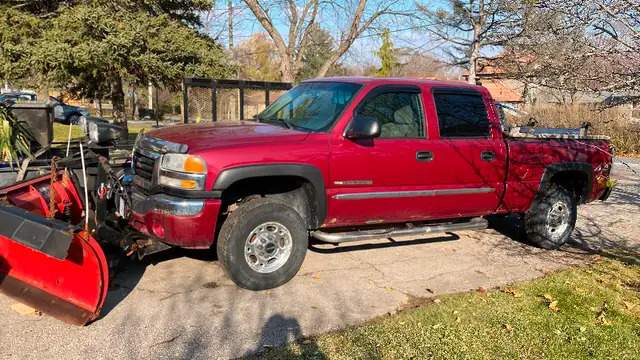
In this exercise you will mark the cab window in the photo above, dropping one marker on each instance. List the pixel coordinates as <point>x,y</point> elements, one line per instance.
<point>399,114</point>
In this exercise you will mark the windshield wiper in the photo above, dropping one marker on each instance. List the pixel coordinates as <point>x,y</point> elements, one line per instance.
<point>277,121</point>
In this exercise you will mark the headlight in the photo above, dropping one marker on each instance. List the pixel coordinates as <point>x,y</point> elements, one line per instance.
<point>182,171</point>
<point>101,132</point>
<point>82,122</point>
<point>94,135</point>
<point>58,111</point>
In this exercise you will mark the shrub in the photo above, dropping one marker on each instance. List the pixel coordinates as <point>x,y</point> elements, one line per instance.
<point>15,139</point>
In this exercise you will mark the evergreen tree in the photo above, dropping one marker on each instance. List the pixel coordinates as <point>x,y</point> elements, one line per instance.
<point>388,60</point>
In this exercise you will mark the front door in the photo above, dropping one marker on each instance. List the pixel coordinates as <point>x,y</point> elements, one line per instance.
<point>377,180</point>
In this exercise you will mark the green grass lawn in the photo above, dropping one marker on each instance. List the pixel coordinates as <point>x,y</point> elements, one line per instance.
<point>61,131</point>
<point>587,312</point>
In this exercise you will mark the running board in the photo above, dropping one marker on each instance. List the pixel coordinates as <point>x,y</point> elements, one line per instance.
<point>361,235</point>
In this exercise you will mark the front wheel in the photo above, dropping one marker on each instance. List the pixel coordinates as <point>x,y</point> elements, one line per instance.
<point>551,218</point>
<point>262,244</point>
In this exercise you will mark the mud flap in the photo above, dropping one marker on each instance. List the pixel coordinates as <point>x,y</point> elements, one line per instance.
<point>48,264</point>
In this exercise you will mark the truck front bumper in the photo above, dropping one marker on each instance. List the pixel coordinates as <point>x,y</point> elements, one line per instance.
<point>188,223</point>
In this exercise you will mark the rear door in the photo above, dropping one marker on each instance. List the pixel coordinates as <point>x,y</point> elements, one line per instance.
<point>468,152</point>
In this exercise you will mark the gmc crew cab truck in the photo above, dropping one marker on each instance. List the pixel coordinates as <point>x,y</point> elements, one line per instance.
<point>346,159</point>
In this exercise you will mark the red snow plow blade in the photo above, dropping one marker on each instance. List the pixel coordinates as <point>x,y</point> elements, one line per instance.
<point>47,260</point>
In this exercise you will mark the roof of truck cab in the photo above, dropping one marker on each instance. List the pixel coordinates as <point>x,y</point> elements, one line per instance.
<point>391,80</point>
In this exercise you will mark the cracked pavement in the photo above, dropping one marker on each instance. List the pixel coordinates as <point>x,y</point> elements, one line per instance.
<point>180,304</point>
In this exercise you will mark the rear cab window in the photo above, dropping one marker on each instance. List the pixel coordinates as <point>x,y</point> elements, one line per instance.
<point>461,113</point>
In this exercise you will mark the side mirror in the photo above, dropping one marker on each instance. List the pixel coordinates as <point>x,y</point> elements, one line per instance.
<point>363,127</point>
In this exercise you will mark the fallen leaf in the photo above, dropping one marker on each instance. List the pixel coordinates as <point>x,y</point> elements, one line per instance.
<point>437,326</point>
<point>602,320</point>
<point>437,301</point>
<point>602,313</point>
<point>507,327</point>
<point>455,312</point>
<point>548,297</point>
<point>512,291</point>
<point>458,319</point>
<point>553,306</point>
<point>23,309</point>
<point>629,305</point>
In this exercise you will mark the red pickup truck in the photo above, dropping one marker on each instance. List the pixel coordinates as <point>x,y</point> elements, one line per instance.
<point>349,159</point>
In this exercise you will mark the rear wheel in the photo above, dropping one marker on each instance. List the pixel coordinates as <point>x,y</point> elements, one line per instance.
<point>262,244</point>
<point>551,218</point>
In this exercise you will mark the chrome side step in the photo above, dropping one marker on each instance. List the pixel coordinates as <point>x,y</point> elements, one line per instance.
<point>360,235</point>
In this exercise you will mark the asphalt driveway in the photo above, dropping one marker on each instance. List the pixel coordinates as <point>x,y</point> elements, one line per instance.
<point>180,305</point>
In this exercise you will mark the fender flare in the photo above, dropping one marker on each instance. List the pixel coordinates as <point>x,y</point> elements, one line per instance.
<point>585,168</point>
<point>310,173</point>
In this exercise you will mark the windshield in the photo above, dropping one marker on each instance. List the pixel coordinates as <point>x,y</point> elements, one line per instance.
<point>311,106</point>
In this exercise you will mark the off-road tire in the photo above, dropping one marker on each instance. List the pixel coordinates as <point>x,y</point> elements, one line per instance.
<point>239,225</point>
<point>540,227</point>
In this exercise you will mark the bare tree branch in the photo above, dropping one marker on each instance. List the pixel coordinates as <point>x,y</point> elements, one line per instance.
<point>301,16</point>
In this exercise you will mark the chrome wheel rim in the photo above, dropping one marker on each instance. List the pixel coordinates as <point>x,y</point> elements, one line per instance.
<point>268,247</point>
<point>558,219</point>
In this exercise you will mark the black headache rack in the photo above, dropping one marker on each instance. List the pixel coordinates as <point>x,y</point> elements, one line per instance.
<point>532,132</point>
<point>215,86</point>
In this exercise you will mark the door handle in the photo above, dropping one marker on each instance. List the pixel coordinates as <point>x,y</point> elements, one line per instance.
<point>424,155</point>
<point>488,155</point>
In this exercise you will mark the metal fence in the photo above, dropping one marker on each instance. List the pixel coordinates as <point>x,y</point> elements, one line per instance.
<point>224,100</point>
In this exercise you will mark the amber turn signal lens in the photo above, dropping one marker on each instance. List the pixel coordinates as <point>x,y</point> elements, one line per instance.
<point>194,164</point>
<point>188,184</point>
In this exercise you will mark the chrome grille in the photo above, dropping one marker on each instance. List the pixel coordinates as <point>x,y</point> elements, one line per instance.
<point>145,155</point>
<point>143,165</point>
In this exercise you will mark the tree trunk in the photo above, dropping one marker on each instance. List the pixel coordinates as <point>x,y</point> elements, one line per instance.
<point>473,57</point>
<point>100,107</point>
<point>288,73</point>
<point>324,69</point>
<point>117,99</point>
<point>134,102</point>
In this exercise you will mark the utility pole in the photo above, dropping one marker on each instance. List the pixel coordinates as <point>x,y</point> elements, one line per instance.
<point>150,99</point>
<point>230,22</point>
